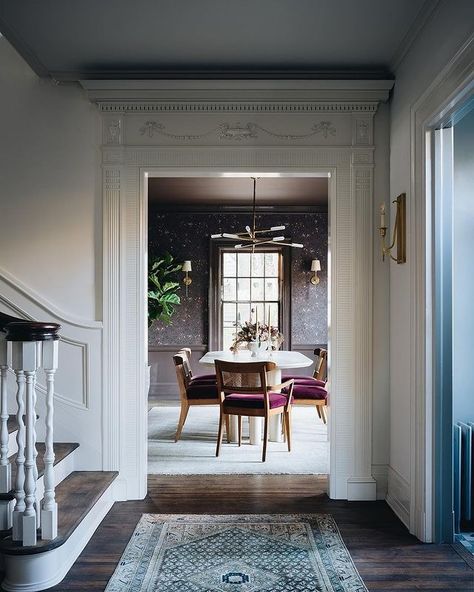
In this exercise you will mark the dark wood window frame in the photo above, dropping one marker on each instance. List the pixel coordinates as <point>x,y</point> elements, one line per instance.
<point>215,282</point>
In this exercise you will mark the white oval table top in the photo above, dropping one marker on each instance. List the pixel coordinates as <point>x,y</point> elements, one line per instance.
<point>283,359</point>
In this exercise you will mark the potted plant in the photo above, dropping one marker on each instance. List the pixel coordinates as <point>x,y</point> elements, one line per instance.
<point>163,290</point>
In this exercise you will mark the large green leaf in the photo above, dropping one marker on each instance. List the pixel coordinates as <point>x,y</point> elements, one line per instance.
<point>162,288</point>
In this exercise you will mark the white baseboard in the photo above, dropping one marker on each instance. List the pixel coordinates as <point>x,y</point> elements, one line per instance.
<point>398,496</point>
<point>361,489</point>
<point>380,474</point>
<point>40,571</point>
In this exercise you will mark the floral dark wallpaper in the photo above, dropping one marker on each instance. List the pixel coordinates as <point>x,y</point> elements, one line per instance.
<point>186,236</point>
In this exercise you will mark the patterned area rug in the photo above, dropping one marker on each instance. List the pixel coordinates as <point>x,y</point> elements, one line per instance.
<point>236,553</point>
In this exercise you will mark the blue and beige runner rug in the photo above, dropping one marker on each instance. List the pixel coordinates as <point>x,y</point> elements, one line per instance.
<point>236,553</point>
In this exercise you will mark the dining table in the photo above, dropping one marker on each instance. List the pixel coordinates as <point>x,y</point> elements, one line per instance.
<point>284,360</point>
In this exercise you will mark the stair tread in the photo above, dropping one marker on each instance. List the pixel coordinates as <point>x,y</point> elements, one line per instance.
<point>75,496</point>
<point>61,451</point>
<point>12,424</point>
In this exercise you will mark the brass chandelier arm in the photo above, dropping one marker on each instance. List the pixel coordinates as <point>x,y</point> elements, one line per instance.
<point>250,235</point>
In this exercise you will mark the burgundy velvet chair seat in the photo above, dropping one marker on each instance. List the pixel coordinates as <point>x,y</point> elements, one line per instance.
<point>254,401</point>
<point>202,391</point>
<point>204,379</point>
<point>305,391</point>
<point>299,379</point>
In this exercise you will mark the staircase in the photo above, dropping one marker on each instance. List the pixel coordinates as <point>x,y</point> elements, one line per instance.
<point>48,510</point>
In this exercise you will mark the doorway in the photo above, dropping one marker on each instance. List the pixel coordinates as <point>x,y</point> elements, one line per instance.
<point>228,288</point>
<point>453,215</point>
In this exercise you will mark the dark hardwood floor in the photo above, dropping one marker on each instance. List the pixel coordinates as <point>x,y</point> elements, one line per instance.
<point>387,557</point>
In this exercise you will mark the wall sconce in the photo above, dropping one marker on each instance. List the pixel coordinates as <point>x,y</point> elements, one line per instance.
<point>187,281</point>
<point>399,231</point>
<point>315,267</point>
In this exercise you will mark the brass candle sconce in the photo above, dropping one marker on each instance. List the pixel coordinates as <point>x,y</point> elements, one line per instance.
<point>399,231</point>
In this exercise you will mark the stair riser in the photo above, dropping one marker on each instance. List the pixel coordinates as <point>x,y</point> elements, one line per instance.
<point>61,470</point>
<point>32,573</point>
<point>12,445</point>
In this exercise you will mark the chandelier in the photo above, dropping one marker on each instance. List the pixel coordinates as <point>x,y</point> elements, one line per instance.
<point>252,237</point>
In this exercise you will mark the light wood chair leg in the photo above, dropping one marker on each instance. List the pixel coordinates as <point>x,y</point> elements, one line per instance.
<point>318,409</point>
<point>265,439</point>
<point>182,418</point>
<point>283,427</point>
<point>219,433</point>
<point>323,414</point>
<point>239,420</point>
<point>227,427</point>
<point>288,428</point>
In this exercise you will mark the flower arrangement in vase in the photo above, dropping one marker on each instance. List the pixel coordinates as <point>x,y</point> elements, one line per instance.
<point>258,337</point>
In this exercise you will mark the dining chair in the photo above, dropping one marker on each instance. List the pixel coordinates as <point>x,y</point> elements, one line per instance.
<point>244,391</point>
<point>312,390</point>
<point>192,392</point>
<point>188,370</point>
<point>313,395</point>
<point>320,371</point>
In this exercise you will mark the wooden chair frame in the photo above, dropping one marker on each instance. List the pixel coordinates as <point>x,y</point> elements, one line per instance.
<point>260,368</point>
<point>320,372</point>
<point>183,376</point>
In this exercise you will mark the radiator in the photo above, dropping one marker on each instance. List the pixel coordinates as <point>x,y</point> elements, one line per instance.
<point>463,472</point>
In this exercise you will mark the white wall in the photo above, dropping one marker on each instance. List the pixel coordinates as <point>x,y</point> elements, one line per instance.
<point>50,219</point>
<point>445,32</point>
<point>51,238</point>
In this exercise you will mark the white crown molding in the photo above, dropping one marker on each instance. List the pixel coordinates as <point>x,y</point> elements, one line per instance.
<point>237,95</point>
<point>49,308</point>
<point>425,14</point>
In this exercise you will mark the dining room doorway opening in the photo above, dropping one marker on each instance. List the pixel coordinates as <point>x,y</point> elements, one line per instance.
<point>211,292</point>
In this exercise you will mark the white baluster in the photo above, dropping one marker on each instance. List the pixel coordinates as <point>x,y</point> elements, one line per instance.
<point>17,532</point>
<point>29,515</point>
<point>35,455</point>
<point>26,356</point>
<point>5,468</point>
<point>49,511</point>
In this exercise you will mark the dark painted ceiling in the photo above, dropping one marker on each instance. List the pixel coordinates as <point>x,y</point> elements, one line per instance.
<point>79,39</point>
<point>238,191</point>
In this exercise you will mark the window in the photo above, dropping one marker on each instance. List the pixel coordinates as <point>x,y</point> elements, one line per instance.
<point>242,281</point>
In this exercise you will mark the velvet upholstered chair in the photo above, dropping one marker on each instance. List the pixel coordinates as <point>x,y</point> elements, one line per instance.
<point>192,390</point>
<point>312,390</point>
<point>243,391</point>
<point>188,370</point>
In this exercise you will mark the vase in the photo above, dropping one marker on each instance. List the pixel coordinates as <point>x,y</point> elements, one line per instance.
<point>253,347</point>
<point>257,347</point>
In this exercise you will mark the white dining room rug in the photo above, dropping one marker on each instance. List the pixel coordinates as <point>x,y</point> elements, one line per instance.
<point>249,553</point>
<point>195,452</point>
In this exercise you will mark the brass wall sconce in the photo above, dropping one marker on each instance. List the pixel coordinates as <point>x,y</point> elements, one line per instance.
<point>315,267</point>
<point>187,281</point>
<point>399,231</point>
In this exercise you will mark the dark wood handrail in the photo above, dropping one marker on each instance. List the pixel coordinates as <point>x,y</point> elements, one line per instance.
<point>20,330</point>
